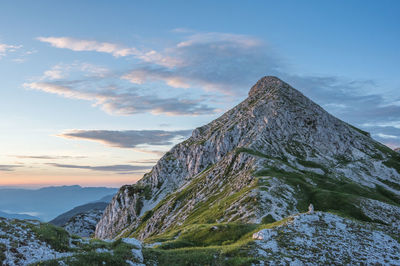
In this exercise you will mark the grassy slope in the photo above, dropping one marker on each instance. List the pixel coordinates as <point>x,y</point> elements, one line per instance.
<point>327,193</point>
<point>221,244</point>
<point>202,241</point>
<point>207,244</point>
<point>86,254</point>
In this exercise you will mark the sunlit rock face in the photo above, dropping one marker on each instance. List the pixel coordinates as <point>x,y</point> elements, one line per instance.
<point>267,158</point>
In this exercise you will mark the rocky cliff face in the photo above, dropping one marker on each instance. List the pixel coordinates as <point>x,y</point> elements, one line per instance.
<point>83,224</point>
<point>265,159</point>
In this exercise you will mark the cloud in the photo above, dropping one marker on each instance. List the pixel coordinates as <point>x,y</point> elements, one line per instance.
<point>128,138</point>
<point>8,167</point>
<point>79,45</point>
<point>126,103</point>
<point>385,136</point>
<point>221,62</point>
<point>229,64</point>
<point>63,71</point>
<point>87,45</point>
<point>349,99</point>
<point>106,168</point>
<point>47,157</point>
<point>226,63</point>
<point>6,48</point>
<point>149,161</point>
<point>387,133</point>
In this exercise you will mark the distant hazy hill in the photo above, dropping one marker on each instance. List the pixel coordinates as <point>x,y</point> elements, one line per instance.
<point>107,198</point>
<point>62,219</point>
<point>18,216</point>
<point>49,202</point>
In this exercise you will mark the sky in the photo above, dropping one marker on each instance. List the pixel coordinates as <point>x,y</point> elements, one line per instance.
<point>94,92</point>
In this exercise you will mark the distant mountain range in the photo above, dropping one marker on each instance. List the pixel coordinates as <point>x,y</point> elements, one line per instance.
<point>48,202</point>
<point>18,216</point>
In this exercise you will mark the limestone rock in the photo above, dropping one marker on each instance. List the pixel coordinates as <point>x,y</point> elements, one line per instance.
<point>264,234</point>
<point>267,157</point>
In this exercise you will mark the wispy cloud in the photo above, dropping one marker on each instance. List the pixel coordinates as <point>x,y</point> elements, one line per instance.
<point>63,71</point>
<point>220,62</point>
<point>8,167</point>
<point>149,161</point>
<point>385,136</point>
<point>223,62</point>
<point>128,138</point>
<point>47,157</point>
<point>87,45</point>
<point>228,64</point>
<point>7,48</point>
<point>126,102</point>
<point>106,168</point>
<point>117,50</point>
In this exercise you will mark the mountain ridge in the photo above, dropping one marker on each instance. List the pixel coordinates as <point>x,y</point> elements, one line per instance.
<point>265,159</point>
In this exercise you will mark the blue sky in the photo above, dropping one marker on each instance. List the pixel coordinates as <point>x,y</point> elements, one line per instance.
<point>93,92</point>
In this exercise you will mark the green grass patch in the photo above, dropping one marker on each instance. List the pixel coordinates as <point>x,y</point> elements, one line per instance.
<point>207,235</point>
<point>55,236</point>
<point>214,208</point>
<point>268,219</point>
<point>195,257</point>
<point>312,164</point>
<point>391,184</point>
<point>365,133</point>
<point>330,194</point>
<point>388,194</point>
<point>386,150</point>
<point>90,258</point>
<point>141,190</point>
<point>252,152</point>
<point>230,246</point>
<point>393,163</point>
<point>118,253</point>
<point>177,197</point>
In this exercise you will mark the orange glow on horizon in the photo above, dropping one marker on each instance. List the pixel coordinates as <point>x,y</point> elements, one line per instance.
<point>40,180</point>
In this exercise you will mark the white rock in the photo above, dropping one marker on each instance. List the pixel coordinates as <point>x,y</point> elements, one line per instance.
<point>137,254</point>
<point>133,241</point>
<point>264,234</point>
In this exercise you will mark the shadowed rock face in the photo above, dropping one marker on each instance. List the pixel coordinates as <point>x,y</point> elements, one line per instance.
<point>270,156</point>
<point>83,224</point>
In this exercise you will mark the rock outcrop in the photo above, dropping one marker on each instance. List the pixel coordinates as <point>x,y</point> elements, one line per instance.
<point>83,224</point>
<point>22,244</point>
<point>324,238</point>
<point>29,242</point>
<point>266,159</point>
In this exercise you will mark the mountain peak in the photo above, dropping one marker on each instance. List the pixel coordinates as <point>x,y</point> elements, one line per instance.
<point>267,83</point>
<point>267,158</point>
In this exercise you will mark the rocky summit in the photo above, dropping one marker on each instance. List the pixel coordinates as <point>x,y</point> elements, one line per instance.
<point>259,164</point>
